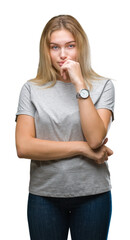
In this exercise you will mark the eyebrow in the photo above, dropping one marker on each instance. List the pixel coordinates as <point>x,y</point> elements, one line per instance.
<point>65,43</point>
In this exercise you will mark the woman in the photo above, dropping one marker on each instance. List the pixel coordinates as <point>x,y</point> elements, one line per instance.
<point>62,121</point>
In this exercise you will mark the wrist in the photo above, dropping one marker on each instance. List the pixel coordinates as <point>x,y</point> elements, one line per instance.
<point>80,85</point>
<point>82,147</point>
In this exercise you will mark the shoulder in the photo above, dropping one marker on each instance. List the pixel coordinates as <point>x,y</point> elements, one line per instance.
<point>29,87</point>
<point>99,85</point>
<point>102,90</point>
<point>102,86</point>
<point>26,86</point>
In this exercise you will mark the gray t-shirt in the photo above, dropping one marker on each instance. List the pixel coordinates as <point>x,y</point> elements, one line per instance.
<point>57,118</point>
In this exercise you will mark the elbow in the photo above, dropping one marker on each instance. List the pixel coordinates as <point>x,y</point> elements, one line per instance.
<point>23,148</point>
<point>96,141</point>
<point>21,153</point>
<point>95,144</point>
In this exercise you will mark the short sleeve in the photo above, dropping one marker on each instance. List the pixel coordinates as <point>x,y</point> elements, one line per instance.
<point>25,105</point>
<point>107,98</point>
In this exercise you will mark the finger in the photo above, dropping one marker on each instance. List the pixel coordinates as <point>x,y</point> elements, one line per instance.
<point>100,162</point>
<point>109,151</point>
<point>103,159</point>
<point>106,156</point>
<point>64,75</point>
<point>105,141</point>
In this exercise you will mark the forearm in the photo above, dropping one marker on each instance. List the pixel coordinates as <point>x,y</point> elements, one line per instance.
<point>92,124</point>
<point>43,150</point>
<point>37,149</point>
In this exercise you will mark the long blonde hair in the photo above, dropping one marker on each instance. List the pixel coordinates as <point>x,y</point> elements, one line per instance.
<point>46,72</point>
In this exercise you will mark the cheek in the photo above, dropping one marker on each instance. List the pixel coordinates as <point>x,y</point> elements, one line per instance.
<point>52,56</point>
<point>74,55</point>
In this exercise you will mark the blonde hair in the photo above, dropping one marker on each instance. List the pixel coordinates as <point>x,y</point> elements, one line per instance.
<point>46,72</point>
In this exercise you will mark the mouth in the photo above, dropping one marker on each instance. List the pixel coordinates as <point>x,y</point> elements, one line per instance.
<point>61,63</point>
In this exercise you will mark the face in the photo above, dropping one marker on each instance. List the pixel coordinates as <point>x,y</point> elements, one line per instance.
<point>62,47</point>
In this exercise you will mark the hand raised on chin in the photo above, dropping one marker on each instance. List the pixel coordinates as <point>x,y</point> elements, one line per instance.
<point>71,69</point>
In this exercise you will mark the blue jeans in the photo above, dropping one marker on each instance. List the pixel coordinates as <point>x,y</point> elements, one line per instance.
<point>88,217</point>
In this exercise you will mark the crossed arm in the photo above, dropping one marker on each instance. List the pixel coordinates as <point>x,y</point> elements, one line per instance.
<point>30,147</point>
<point>94,124</point>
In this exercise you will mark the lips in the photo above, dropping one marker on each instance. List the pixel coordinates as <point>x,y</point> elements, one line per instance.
<point>61,63</point>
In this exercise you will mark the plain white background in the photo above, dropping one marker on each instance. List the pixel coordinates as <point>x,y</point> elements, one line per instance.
<point>106,23</point>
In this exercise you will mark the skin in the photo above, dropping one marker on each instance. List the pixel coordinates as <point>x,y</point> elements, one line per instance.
<point>64,57</point>
<point>64,52</point>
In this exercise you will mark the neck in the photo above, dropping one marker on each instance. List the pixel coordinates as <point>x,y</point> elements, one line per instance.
<point>62,80</point>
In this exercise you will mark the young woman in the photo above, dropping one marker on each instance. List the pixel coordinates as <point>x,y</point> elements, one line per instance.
<point>62,122</point>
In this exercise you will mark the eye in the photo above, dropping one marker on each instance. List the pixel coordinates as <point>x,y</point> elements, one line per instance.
<point>54,47</point>
<point>71,46</point>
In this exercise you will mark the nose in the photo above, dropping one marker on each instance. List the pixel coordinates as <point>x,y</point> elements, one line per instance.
<point>63,54</point>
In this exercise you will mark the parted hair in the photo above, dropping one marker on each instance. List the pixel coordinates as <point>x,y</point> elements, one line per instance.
<point>46,72</point>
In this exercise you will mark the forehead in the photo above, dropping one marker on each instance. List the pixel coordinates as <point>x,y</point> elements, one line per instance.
<point>61,36</point>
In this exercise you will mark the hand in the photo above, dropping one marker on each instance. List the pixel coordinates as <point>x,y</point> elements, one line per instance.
<point>72,70</point>
<point>99,155</point>
<point>102,153</point>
